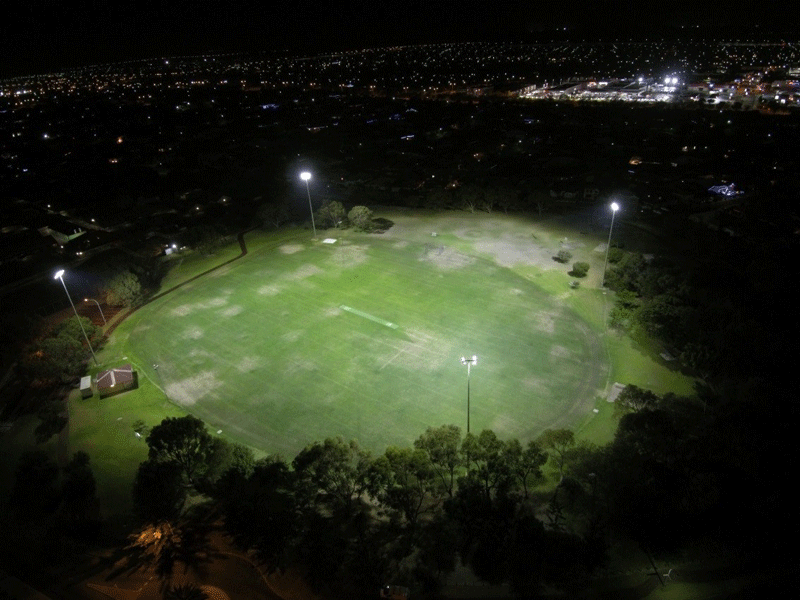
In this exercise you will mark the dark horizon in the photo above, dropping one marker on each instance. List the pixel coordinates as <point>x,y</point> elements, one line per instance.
<point>41,37</point>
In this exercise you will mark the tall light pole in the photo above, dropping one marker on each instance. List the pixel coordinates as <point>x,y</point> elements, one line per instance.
<point>60,275</point>
<point>98,308</point>
<point>469,362</point>
<point>305,176</point>
<point>614,209</point>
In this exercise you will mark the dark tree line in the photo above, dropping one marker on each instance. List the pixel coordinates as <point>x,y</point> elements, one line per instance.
<point>726,318</point>
<point>354,521</point>
<point>50,515</point>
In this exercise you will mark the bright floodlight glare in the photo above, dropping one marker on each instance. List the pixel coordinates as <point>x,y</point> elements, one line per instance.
<point>614,206</point>
<point>59,275</point>
<point>305,176</point>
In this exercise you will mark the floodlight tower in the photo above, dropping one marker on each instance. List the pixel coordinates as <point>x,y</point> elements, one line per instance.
<point>305,176</point>
<point>60,275</point>
<point>614,209</point>
<point>469,362</point>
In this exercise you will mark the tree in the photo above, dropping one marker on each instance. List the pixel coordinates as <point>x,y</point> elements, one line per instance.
<point>272,215</point>
<point>182,441</point>
<point>360,217</point>
<point>158,491</point>
<point>524,464</point>
<point>579,269</point>
<point>333,472</point>
<point>71,328</point>
<point>34,493</point>
<point>52,415</point>
<point>563,256</point>
<point>188,591</point>
<point>331,214</point>
<point>486,462</point>
<point>404,480</point>
<point>442,445</point>
<point>559,442</point>
<point>56,359</point>
<point>124,289</point>
<point>260,508</point>
<point>79,487</point>
<point>204,238</point>
<point>636,399</point>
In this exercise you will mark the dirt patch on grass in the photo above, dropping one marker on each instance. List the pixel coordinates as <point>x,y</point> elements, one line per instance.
<point>332,311</point>
<point>213,303</point>
<point>290,248</point>
<point>270,290</point>
<point>545,321</point>
<point>559,352</point>
<point>248,363</point>
<point>304,272</point>
<point>514,250</point>
<point>187,309</point>
<point>349,256</point>
<point>535,385</point>
<point>423,352</point>
<point>193,333</point>
<point>445,257</point>
<point>298,364</point>
<point>183,310</point>
<point>231,311</point>
<point>187,392</point>
<point>291,336</point>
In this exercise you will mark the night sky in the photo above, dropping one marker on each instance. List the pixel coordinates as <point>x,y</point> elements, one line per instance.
<point>38,36</point>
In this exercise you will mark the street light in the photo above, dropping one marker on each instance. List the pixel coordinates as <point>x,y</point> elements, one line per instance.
<point>98,308</point>
<point>469,362</point>
<point>305,176</point>
<point>60,275</point>
<point>614,209</point>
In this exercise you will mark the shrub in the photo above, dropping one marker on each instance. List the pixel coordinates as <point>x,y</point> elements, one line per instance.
<point>615,255</point>
<point>360,217</point>
<point>563,256</point>
<point>579,269</point>
<point>331,214</point>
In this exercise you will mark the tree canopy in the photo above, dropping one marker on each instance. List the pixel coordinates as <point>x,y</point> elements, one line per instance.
<point>184,442</point>
<point>124,289</point>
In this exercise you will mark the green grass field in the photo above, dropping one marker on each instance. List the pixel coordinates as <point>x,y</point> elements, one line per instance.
<point>264,350</point>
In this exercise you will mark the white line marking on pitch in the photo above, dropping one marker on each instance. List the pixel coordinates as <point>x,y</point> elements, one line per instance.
<point>391,359</point>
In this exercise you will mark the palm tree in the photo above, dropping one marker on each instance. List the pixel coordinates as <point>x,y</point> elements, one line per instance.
<point>188,591</point>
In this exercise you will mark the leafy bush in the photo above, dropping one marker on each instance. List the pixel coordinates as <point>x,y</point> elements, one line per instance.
<point>564,256</point>
<point>615,255</point>
<point>579,269</point>
<point>331,214</point>
<point>124,289</point>
<point>360,217</point>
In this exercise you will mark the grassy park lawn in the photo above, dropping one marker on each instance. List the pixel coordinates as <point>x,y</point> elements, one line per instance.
<point>261,348</point>
<point>265,349</point>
